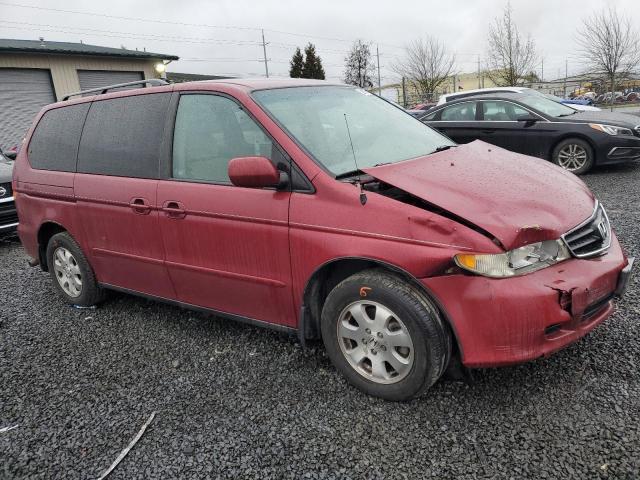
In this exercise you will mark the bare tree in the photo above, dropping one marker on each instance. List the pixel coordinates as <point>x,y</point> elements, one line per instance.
<point>510,58</point>
<point>359,66</point>
<point>426,65</point>
<point>610,45</point>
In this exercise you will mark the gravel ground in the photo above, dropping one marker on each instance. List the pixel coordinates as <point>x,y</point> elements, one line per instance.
<point>234,401</point>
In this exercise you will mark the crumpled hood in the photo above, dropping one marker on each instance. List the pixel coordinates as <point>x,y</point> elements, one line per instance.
<point>516,198</point>
<point>6,171</point>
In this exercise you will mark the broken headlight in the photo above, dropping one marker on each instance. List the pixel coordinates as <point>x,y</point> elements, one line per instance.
<point>519,261</point>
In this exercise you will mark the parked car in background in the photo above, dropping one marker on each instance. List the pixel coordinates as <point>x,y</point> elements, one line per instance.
<point>8,215</point>
<point>581,106</point>
<point>322,210</point>
<point>633,97</point>
<point>421,109</point>
<point>9,154</point>
<point>534,125</point>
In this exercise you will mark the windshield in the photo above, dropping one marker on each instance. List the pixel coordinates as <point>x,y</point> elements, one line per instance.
<point>547,106</point>
<point>317,117</point>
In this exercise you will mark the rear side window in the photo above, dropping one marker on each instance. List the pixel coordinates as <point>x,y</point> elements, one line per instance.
<point>122,136</point>
<point>54,143</point>
<point>462,112</point>
<point>210,130</point>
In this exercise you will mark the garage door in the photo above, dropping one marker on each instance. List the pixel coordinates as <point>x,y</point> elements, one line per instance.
<point>23,92</point>
<point>90,79</point>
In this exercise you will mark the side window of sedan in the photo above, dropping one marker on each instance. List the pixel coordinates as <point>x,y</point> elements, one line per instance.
<point>496,111</point>
<point>461,112</point>
<point>210,130</point>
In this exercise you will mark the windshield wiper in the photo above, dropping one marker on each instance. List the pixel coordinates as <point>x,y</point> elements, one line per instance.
<point>442,148</point>
<point>568,114</point>
<point>351,173</point>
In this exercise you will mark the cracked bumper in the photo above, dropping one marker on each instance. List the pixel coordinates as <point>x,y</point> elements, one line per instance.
<point>513,320</point>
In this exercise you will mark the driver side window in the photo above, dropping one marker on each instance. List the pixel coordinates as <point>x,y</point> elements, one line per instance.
<point>209,131</point>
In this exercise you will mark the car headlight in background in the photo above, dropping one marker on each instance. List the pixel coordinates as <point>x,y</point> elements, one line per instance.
<point>519,261</point>
<point>610,129</point>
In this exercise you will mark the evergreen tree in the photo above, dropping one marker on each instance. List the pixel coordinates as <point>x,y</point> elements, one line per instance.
<point>296,64</point>
<point>359,67</point>
<point>312,64</point>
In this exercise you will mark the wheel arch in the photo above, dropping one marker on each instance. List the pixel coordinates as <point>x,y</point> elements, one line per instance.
<point>579,136</point>
<point>332,272</point>
<point>47,230</point>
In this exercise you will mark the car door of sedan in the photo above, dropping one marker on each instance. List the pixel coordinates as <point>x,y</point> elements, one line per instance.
<point>459,121</point>
<point>499,126</point>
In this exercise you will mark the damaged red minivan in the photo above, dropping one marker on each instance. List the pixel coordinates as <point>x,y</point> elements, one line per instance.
<point>323,210</point>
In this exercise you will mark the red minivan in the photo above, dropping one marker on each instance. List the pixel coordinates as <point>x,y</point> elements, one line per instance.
<point>319,209</point>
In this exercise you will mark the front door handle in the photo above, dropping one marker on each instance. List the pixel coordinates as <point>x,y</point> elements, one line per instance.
<point>140,206</point>
<point>488,131</point>
<point>173,209</point>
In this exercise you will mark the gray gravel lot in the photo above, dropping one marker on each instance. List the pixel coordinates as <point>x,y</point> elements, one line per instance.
<point>235,401</point>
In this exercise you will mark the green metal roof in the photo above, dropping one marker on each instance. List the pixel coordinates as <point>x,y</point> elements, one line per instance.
<point>67,48</point>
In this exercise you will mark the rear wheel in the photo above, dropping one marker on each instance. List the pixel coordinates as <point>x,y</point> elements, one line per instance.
<point>384,335</point>
<point>574,155</point>
<point>71,272</point>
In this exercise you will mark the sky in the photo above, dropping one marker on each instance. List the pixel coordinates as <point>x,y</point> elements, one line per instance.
<point>224,36</point>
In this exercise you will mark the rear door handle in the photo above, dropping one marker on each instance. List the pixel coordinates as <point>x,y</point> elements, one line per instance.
<point>488,131</point>
<point>173,209</point>
<point>140,206</point>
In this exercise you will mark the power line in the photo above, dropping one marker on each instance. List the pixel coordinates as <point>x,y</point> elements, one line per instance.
<point>121,17</point>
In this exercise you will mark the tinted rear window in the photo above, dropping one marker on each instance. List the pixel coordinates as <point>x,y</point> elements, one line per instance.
<point>54,144</point>
<point>122,136</point>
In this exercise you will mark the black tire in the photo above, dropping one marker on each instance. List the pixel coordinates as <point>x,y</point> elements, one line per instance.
<point>580,144</point>
<point>90,293</point>
<point>429,335</point>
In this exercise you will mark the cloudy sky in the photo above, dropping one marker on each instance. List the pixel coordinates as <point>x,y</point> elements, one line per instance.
<point>223,36</point>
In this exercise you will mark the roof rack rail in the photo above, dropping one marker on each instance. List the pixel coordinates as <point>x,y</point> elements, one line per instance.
<point>154,82</point>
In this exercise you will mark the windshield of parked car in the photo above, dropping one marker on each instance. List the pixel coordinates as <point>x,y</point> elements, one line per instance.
<point>547,106</point>
<point>335,123</point>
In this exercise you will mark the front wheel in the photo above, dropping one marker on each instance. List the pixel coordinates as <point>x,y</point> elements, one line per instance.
<point>574,155</point>
<point>384,335</point>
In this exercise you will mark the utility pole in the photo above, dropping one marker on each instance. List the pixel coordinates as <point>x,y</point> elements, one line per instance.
<point>264,50</point>
<point>566,70</point>
<point>542,73</point>
<point>479,80</point>
<point>378,57</point>
<point>404,93</point>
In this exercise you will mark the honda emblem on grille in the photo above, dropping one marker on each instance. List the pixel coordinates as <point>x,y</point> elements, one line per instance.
<point>3,192</point>
<point>602,228</point>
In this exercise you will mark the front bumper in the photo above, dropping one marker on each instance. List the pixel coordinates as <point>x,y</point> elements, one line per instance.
<point>619,149</point>
<point>513,320</point>
<point>8,216</point>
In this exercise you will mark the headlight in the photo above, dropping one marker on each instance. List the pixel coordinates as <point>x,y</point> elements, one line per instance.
<point>519,261</point>
<point>610,129</point>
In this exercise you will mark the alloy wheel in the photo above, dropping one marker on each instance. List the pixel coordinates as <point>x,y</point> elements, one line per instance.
<point>375,342</point>
<point>572,157</point>
<point>67,272</point>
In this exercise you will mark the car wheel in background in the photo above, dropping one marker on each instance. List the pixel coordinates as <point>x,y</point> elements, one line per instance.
<point>385,336</point>
<point>574,155</point>
<point>71,273</point>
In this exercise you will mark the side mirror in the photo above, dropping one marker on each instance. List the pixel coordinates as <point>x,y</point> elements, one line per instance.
<point>528,119</point>
<point>253,172</point>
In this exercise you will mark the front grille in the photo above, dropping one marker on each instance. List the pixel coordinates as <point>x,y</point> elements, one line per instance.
<point>592,237</point>
<point>5,190</point>
<point>8,214</point>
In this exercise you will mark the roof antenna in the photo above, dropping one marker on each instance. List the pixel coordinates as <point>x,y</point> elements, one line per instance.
<point>363,196</point>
